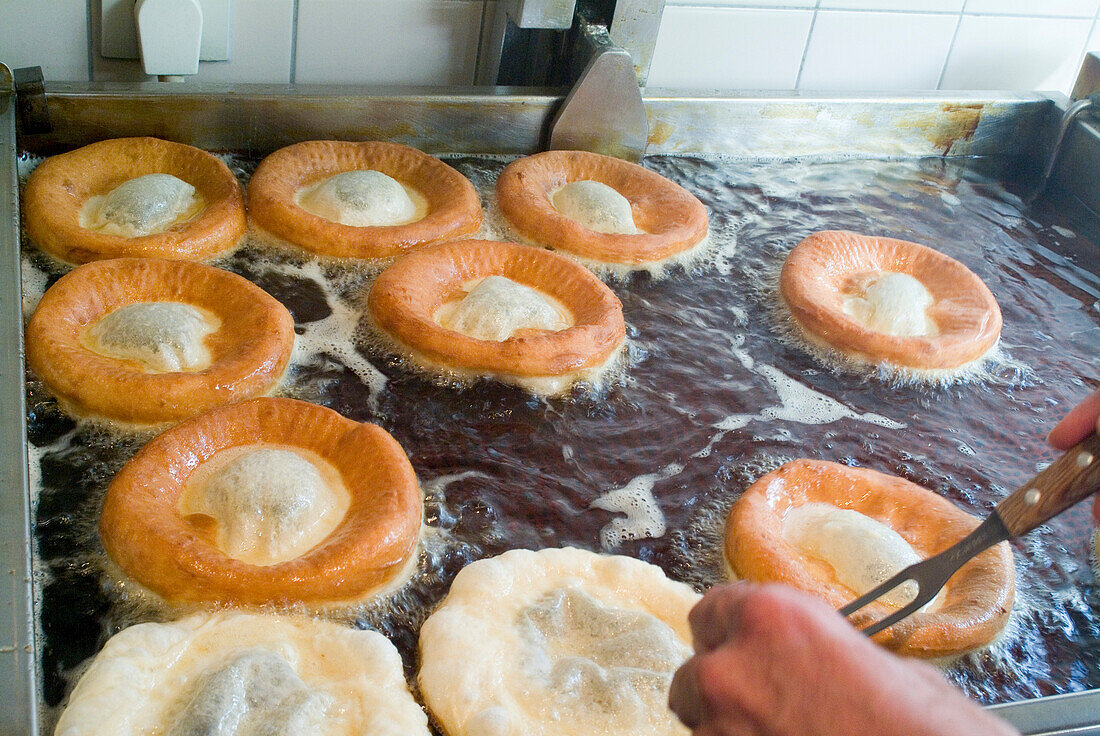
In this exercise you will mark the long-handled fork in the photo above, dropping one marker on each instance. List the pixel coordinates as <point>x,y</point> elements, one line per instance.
<point>1069,479</point>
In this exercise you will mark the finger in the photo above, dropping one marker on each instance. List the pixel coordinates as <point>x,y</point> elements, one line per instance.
<point>714,619</point>
<point>683,696</point>
<point>1077,424</point>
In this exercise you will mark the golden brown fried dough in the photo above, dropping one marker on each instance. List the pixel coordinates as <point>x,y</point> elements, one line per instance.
<point>974,605</point>
<point>177,555</point>
<point>453,208</point>
<point>829,269</point>
<point>59,189</point>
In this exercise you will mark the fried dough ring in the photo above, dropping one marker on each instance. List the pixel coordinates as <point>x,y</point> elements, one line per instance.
<point>473,652</point>
<point>166,665</point>
<point>58,188</point>
<point>673,219</point>
<point>249,351</point>
<point>820,268</point>
<point>975,602</point>
<point>405,297</point>
<point>144,532</point>
<point>454,209</point>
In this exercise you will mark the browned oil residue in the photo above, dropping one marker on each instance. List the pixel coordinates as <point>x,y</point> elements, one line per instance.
<point>949,129</point>
<point>956,125</point>
<point>660,132</point>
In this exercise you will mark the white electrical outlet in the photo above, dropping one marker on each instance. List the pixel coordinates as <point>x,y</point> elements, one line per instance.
<point>118,33</point>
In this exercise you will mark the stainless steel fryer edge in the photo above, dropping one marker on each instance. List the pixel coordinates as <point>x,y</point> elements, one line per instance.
<point>1057,715</point>
<point>255,119</point>
<point>18,690</point>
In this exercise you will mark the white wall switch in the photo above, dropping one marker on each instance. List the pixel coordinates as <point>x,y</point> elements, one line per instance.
<point>118,34</point>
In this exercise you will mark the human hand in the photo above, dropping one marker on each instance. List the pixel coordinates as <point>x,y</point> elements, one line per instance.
<point>770,660</point>
<point>1075,426</point>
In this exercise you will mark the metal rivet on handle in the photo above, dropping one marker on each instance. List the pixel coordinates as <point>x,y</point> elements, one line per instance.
<point>1084,459</point>
<point>1032,497</point>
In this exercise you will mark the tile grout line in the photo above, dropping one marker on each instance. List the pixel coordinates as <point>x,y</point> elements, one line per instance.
<point>950,48</point>
<point>294,41</point>
<point>888,11</point>
<point>1028,15</point>
<point>806,48</point>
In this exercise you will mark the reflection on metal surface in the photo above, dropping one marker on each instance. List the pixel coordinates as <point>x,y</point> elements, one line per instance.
<point>7,88</point>
<point>782,126</point>
<point>1074,173</point>
<point>1079,107</point>
<point>33,114</point>
<point>508,16</point>
<point>1088,78</point>
<point>1076,714</point>
<point>604,112</point>
<point>257,119</point>
<point>635,28</point>
<point>18,710</point>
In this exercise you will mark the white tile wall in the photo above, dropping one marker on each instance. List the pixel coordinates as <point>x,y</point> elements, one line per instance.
<point>261,44</point>
<point>877,51</point>
<point>930,6</point>
<point>1093,43</point>
<point>1069,8</point>
<point>421,42</point>
<point>703,44</point>
<point>746,3</point>
<point>887,45</point>
<point>1016,53</point>
<point>704,48</point>
<point>52,34</point>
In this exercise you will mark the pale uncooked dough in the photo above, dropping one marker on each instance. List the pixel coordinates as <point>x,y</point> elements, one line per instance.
<point>255,693</point>
<point>166,337</point>
<point>496,307</point>
<point>363,198</point>
<point>559,642</point>
<point>237,674</point>
<point>596,206</point>
<point>270,504</point>
<point>862,551</point>
<point>145,205</point>
<point>893,303</point>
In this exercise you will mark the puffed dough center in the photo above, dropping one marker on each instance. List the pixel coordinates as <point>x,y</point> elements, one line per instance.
<point>267,504</point>
<point>585,661</point>
<point>165,337</point>
<point>145,205</point>
<point>862,551</point>
<point>893,303</point>
<point>496,308</point>
<point>363,198</point>
<point>596,206</point>
<point>244,674</point>
<point>256,693</point>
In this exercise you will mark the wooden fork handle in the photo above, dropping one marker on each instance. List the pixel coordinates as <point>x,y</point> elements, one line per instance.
<point>1069,479</point>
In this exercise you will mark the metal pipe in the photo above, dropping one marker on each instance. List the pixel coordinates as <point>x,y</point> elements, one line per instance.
<point>1063,128</point>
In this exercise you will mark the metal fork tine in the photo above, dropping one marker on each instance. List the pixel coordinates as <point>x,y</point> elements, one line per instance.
<point>931,574</point>
<point>893,618</point>
<point>928,584</point>
<point>875,593</point>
